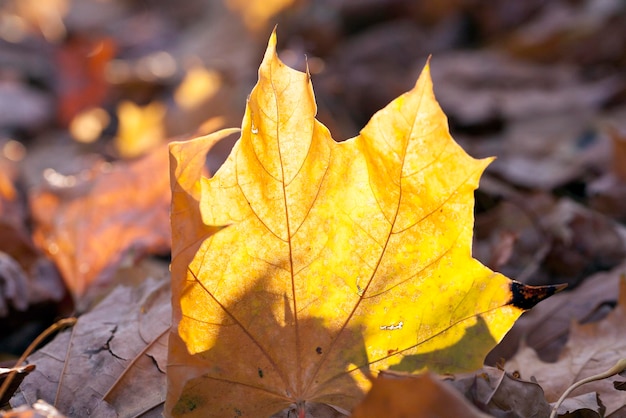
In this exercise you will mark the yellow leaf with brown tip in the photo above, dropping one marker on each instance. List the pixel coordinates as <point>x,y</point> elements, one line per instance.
<point>327,261</point>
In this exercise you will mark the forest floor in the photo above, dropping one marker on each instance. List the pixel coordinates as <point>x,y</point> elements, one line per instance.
<point>90,90</point>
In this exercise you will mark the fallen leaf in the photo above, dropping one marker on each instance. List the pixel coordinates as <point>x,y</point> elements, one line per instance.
<point>336,260</point>
<point>420,396</point>
<point>546,151</point>
<point>478,88</point>
<point>591,349</point>
<point>587,405</point>
<point>112,362</point>
<point>500,393</point>
<point>557,240</point>
<point>574,32</point>
<point>88,222</point>
<point>583,241</point>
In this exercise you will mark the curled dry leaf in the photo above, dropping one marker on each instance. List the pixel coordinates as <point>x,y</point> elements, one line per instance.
<point>591,349</point>
<point>503,394</point>
<point>112,362</point>
<point>500,393</point>
<point>305,265</point>
<point>111,211</point>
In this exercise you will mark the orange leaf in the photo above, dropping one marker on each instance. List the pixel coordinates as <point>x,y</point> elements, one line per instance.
<point>414,397</point>
<point>108,211</point>
<point>336,260</point>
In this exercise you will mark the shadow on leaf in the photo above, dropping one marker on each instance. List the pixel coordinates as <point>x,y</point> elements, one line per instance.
<point>467,351</point>
<point>262,363</point>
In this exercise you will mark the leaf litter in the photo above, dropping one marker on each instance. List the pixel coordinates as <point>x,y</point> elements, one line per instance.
<point>112,362</point>
<point>587,36</point>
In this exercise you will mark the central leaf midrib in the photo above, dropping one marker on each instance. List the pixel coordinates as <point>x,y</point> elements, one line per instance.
<point>297,389</point>
<point>382,252</point>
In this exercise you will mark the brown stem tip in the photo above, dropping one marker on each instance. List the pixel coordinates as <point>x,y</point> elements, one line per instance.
<point>525,296</point>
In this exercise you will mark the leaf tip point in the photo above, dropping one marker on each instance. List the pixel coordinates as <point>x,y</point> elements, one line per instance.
<point>525,296</point>
<point>270,52</point>
<point>273,39</point>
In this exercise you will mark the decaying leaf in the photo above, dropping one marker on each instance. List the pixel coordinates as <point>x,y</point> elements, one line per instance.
<point>591,349</point>
<point>500,393</point>
<point>112,362</point>
<point>587,405</point>
<point>88,222</point>
<point>305,265</point>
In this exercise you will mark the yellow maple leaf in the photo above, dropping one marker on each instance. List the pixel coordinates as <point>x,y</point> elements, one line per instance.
<point>305,265</point>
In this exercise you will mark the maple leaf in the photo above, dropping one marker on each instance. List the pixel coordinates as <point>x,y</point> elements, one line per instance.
<point>305,265</point>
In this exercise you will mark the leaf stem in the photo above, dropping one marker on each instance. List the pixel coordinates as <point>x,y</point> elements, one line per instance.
<point>617,368</point>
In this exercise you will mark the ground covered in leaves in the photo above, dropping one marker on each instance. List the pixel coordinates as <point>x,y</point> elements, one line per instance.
<point>91,91</point>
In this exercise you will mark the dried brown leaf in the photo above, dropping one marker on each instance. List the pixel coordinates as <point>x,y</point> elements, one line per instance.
<point>500,393</point>
<point>112,362</point>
